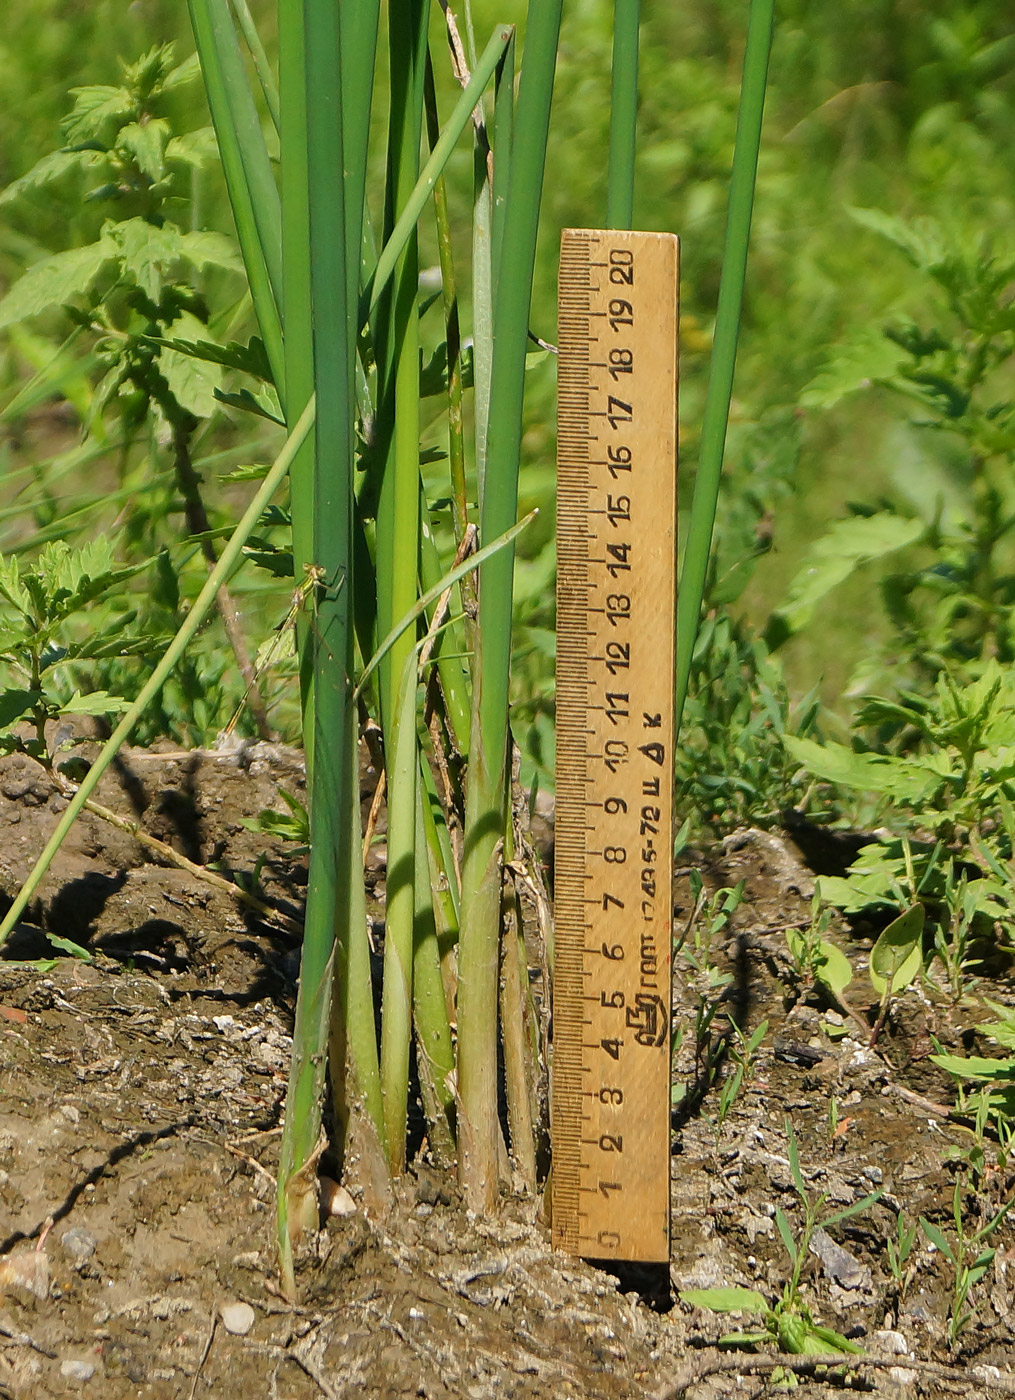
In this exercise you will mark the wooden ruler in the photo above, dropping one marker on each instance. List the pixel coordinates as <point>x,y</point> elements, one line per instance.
<point>616,592</point>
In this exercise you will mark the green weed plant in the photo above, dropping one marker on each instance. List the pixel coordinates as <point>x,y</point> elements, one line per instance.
<point>788,1323</point>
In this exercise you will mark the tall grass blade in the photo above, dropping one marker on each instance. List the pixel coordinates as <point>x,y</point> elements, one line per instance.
<point>262,67</point>
<point>397,561</point>
<point>250,183</point>
<point>421,191</point>
<point>452,324</point>
<point>297,319</point>
<point>481,883</point>
<point>727,330</point>
<point>330,640</point>
<point>435,1059</point>
<point>433,593</point>
<point>623,114</point>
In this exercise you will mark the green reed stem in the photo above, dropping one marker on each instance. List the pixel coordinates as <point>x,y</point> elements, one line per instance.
<point>296,299</point>
<point>481,879</point>
<point>253,194</point>
<point>623,114</point>
<point>453,333</point>
<point>503,138</point>
<point>435,1057</point>
<point>416,197</point>
<point>263,69</point>
<point>330,640</point>
<point>727,330</point>
<point>397,556</point>
<point>231,555</point>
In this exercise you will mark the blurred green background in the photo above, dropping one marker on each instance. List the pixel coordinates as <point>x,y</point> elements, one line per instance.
<point>897,105</point>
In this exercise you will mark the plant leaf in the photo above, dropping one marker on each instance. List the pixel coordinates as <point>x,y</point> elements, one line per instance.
<point>786,1234</point>
<point>146,143</point>
<point>832,968</point>
<point>725,1300</point>
<point>192,379</point>
<point>897,956</point>
<point>16,704</point>
<point>908,780</point>
<point>66,945</point>
<point>50,167</point>
<point>976,1067</point>
<point>937,1239</point>
<point>96,702</point>
<point>848,545</point>
<point>55,281</point>
<point>868,358</point>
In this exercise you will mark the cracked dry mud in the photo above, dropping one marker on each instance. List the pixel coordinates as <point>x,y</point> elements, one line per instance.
<point>140,1097</point>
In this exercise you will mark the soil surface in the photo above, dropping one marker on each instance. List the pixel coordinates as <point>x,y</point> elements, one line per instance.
<point>139,1125</point>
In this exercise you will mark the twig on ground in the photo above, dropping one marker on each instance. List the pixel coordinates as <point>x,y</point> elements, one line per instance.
<point>173,857</point>
<point>204,1354</point>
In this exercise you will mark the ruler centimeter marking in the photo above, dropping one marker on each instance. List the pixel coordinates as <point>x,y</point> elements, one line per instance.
<point>613,839</point>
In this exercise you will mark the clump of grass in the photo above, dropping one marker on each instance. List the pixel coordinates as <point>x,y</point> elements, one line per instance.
<point>405,624</point>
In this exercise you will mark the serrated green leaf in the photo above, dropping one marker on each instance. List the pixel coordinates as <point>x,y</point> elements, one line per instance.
<point>207,249</point>
<point>249,358</point>
<point>97,109</point>
<point>921,241</point>
<point>847,546</point>
<point>145,143</point>
<point>870,357</point>
<point>56,280</point>
<point>192,380</point>
<point>264,404</point>
<point>10,583</point>
<point>897,956</point>
<point>907,779</point>
<point>97,702</point>
<point>725,1300</point>
<point>186,72</point>
<point>193,148</point>
<point>49,168</point>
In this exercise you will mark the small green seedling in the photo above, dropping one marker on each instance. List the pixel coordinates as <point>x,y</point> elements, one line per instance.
<point>743,1053</point>
<point>969,1256</point>
<point>789,1322</point>
<point>44,632</point>
<point>816,959</point>
<point>899,1249</point>
<point>896,959</point>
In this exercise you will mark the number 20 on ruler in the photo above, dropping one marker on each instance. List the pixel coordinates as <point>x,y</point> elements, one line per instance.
<point>616,570</point>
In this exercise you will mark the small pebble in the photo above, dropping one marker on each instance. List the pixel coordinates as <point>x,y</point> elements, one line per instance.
<point>78,1243</point>
<point>77,1370</point>
<point>238,1318</point>
<point>335,1199</point>
<point>874,1175</point>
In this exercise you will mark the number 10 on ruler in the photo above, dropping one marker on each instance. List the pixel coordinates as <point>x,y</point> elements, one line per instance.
<point>616,591</point>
